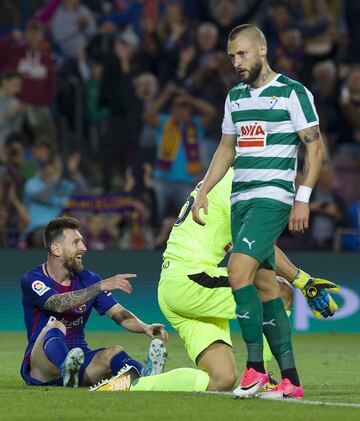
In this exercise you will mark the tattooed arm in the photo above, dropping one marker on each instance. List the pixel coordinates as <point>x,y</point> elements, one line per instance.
<point>299,216</point>
<point>59,303</point>
<point>314,156</point>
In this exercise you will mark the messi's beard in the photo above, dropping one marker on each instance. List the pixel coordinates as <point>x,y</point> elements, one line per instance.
<point>72,264</point>
<point>254,73</point>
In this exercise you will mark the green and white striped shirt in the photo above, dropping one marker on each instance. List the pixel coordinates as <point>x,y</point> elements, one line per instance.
<point>266,121</point>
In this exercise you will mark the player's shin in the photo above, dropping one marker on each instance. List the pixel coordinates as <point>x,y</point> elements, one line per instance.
<point>268,356</point>
<point>277,330</point>
<point>120,360</point>
<point>55,347</point>
<point>249,314</point>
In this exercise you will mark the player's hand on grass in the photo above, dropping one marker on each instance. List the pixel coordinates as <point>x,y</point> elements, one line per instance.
<point>116,282</point>
<point>319,299</point>
<point>201,202</point>
<point>156,329</point>
<point>299,217</point>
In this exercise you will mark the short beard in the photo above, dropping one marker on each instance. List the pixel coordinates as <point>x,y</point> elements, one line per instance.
<point>73,265</point>
<point>254,73</point>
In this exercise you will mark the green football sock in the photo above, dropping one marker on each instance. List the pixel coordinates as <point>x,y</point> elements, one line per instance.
<point>249,313</point>
<point>268,356</point>
<point>178,380</point>
<point>278,333</point>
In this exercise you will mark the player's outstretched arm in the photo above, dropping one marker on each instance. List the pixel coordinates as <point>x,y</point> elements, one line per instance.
<point>130,322</point>
<point>299,216</point>
<point>221,162</point>
<point>58,303</point>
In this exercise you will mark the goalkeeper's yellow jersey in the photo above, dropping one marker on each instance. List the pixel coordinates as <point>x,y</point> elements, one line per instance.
<point>194,246</point>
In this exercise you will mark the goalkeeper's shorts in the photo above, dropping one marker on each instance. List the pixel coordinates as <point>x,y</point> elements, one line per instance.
<point>198,306</point>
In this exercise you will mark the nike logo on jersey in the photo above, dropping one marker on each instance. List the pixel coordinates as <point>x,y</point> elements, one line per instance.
<point>249,243</point>
<point>243,316</point>
<point>270,322</point>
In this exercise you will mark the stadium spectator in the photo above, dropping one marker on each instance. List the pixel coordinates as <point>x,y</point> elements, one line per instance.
<point>229,13</point>
<point>98,236</point>
<point>210,83</point>
<point>123,14</point>
<point>350,106</point>
<point>96,114</point>
<point>101,46</point>
<point>37,68</point>
<point>195,58</point>
<point>42,151</point>
<point>19,168</point>
<point>207,37</point>
<point>352,17</point>
<point>46,11</point>
<point>11,109</point>
<point>14,216</point>
<point>72,26</point>
<point>146,90</point>
<point>73,173</point>
<point>318,26</point>
<point>328,210</point>
<point>326,93</point>
<point>276,21</point>
<point>45,195</point>
<point>179,136</point>
<point>171,36</point>
<point>289,54</point>
<point>9,17</point>
<point>117,93</point>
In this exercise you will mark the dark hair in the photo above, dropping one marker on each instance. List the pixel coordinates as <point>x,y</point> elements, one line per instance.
<point>9,74</point>
<point>56,227</point>
<point>15,137</point>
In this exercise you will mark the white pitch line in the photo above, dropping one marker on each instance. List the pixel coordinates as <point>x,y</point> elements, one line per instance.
<point>300,401</point>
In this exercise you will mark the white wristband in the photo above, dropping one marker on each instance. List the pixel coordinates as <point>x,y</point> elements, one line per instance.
<point>303,194</point>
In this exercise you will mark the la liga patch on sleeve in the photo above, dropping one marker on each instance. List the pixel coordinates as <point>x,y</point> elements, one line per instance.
<point>39,287</point>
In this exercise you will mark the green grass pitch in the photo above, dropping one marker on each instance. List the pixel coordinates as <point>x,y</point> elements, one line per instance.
<point>329,366</point>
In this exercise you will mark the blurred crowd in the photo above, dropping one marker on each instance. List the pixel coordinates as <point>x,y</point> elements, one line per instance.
<point>111,111</point>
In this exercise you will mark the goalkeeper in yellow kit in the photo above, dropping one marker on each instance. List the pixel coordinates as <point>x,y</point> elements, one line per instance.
<point>194,293</point>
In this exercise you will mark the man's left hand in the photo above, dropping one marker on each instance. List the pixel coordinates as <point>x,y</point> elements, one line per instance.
<point>299,217</point>
<point>156,329</point>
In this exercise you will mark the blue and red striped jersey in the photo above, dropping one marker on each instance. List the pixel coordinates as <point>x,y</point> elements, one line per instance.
<point>37,287</point>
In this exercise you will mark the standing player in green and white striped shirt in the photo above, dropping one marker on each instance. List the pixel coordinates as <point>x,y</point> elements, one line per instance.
<point>265,118</point>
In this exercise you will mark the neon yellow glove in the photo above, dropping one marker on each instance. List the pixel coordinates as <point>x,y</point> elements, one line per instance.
<point>319,299</point>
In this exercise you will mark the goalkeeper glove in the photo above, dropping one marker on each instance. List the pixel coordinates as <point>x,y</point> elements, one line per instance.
<point>320,301</point>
